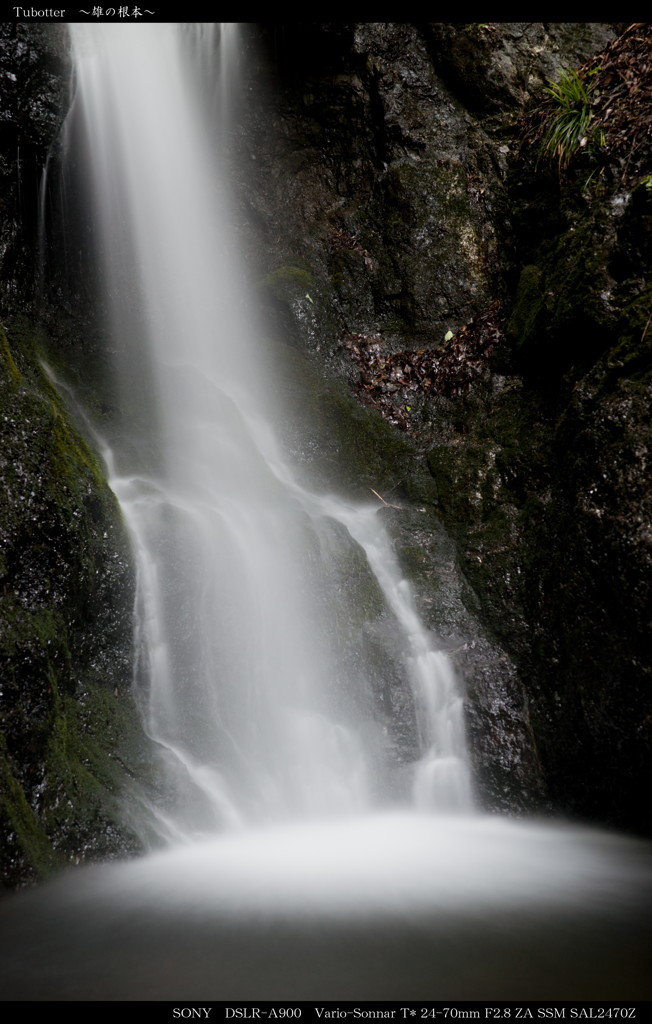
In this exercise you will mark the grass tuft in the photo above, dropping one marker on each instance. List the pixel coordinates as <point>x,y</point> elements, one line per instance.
<point>569,129</point>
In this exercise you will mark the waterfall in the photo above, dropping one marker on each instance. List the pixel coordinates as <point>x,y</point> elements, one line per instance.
<point>303,852</point>
<point>253,715</point>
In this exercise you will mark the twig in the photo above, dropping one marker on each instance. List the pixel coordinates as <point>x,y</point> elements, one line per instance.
<point>386,503</point>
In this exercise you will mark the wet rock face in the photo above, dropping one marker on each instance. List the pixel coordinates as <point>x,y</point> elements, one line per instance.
<point>33,83</point>
<point>391,171</point>
<point>66,595</point>
<point>381,196</point>
<point>595,599</point>
<point>578,334</point>
<point>495,68</point>
<point>69,734</point>
<point>373,175</point>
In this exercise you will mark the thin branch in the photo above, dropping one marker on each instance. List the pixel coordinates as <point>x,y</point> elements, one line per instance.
<point>387,504</point>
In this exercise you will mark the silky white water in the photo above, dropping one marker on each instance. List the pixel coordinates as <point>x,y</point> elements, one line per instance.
<point>303,857</point>
<point>254,716</point>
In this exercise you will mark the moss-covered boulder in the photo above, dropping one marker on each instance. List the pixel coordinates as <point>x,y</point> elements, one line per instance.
<point>70,737</point>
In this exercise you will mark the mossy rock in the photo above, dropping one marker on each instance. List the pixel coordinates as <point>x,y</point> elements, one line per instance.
<point>289,281</point>
<point>70,731</point>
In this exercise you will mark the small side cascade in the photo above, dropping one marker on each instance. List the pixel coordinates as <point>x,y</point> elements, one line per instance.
<point>441,777</point>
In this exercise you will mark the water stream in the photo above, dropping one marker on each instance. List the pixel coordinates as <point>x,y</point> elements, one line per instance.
<point>254,715</point>
<point>299,855</point>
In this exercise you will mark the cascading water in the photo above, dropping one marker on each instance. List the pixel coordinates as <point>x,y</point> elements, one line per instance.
<point>254,717</point>
<point>316,863</point>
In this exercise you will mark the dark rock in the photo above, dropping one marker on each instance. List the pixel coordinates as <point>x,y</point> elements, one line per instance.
<point>496,67</point>
<point>415,207</point>
<point>70,733</point>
